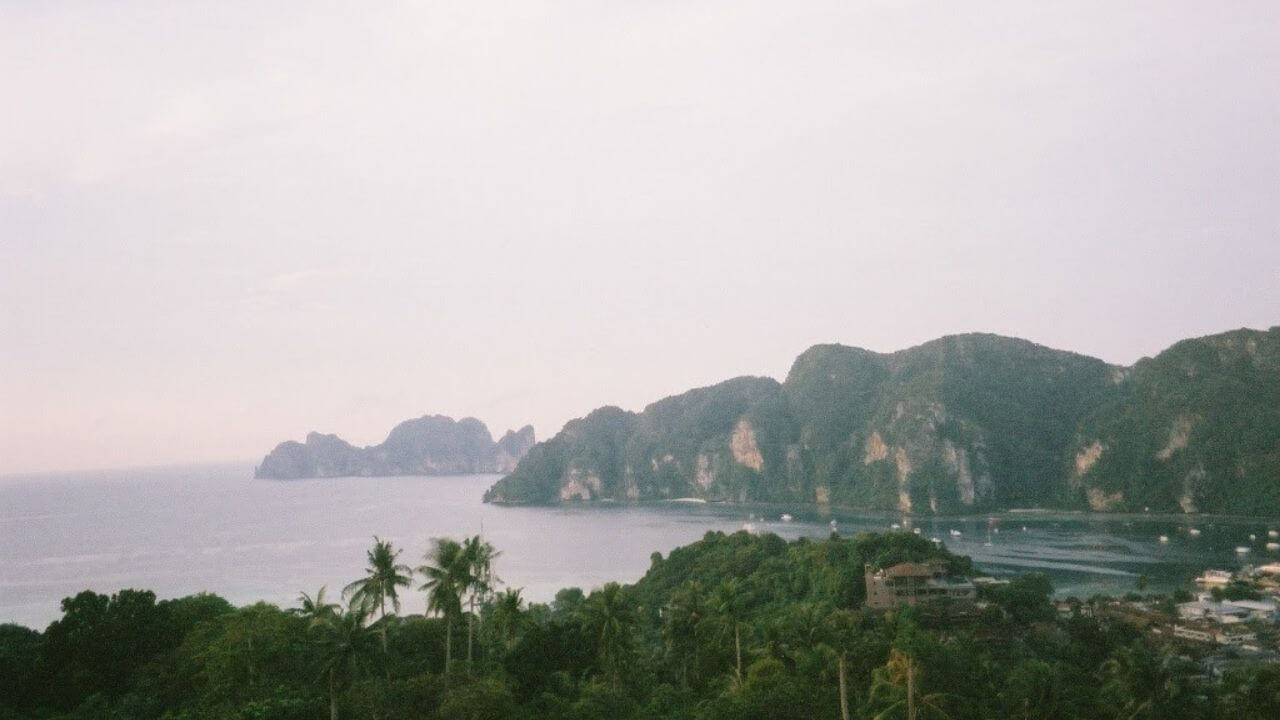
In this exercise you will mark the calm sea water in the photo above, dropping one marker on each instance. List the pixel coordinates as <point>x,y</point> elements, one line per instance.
<point>188,529</point>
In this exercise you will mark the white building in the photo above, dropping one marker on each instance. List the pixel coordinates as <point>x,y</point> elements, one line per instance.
<point>1206,609</point>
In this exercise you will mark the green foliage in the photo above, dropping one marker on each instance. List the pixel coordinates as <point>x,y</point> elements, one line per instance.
<point>732,626</point>
<point>1221,394</point>
<point>1025,598</point>
<point>1235,590</point>
<point>18,646</point>
<point>961,423</point>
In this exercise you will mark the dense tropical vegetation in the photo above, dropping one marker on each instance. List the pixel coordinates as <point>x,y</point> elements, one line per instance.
<point>733,626</point>
<point>960,423</point>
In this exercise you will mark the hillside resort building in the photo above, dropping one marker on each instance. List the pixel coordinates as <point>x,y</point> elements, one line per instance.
<point>914,584</point>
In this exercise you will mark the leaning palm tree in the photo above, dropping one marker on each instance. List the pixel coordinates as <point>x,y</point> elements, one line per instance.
<point>344,643</point>
<point>382,578</point>
<point>447,577</point>
<point>314,607</point>
<point>478,556</point>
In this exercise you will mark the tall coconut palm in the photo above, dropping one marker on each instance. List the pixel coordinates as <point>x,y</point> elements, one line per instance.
<point>383,577</point>
<point>344,642</point>
<point>680,622</point>
<point>447,577</point>
<point>895,688</point>
<point>838,630</point>
<point>729,604</point>
<point>609,618</point>
<point>480,581</point>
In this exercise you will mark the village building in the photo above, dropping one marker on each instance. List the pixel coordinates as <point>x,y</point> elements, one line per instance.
<point>1227,611</point>
<point>914,584</point>
<point>1206,609</point>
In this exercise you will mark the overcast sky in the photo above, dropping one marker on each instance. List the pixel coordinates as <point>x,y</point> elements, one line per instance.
<point>223,225</point>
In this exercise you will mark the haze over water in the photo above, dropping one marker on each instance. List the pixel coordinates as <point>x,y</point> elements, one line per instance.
<point>182,530</point>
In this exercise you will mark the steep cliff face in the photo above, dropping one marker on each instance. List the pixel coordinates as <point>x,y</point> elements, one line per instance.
<point>966,422</point>
<point>429,445</point>
<point>1194,429</point>
<point>513,446</point>
<point>963,423</point>
<point>321,456</point>
<point>718,443</point>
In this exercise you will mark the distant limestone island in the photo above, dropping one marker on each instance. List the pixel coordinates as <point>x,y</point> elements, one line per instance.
<point>964,423</point>
<point>429,445</point>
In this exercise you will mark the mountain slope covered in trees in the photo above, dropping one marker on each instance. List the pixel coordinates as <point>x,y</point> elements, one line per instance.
<point>731,627</point>
<point>963,423</point>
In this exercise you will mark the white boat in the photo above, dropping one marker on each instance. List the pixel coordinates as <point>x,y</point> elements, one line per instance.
<point>915,530</point>
<point>1194,531</point>
<point>1164,538</point>
<point>1024,528</point>
<point>785,517</point>
<point>1242,549</point>
<point>986,544</point>
<point>833,524</point>
<point>935,541</point>
<point>895,526</point>
<point>1273,534</point>
<point>1273,546</point>
<point>955,533</point>
<point>1252,537</point>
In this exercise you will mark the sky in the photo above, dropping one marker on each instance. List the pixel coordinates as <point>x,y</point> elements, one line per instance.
<point>223,225</point>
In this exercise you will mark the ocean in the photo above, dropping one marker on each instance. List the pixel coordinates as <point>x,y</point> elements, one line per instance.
<point>188,529</point>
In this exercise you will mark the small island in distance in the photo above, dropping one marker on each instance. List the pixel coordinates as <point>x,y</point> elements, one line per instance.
<point>429,445</point>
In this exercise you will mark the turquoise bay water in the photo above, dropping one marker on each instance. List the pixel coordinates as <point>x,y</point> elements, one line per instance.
<point>212,527</point>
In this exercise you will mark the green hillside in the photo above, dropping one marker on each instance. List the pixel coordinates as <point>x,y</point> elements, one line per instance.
<point>963,423</point>
<point>1197,429</point>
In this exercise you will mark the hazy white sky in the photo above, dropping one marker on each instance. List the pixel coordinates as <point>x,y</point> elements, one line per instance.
<point>225,224</point>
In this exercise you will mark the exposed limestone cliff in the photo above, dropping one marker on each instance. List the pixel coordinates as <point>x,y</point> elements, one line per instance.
<point>512,446</point>
<point>1179,434</point>
<point>960,424</point>
<point>743,445</point>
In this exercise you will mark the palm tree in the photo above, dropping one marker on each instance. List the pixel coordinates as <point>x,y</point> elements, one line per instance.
<point>680,620</point>
<point>900,678</point>
<point>729,604</point>
<point>446,580</point>
<point>508,615</point>
<point>480,580</point>
<point>314,607</point>
<point>1136,683</point>
<point>838,630</point>
<point>609,618</point>
<point>344,643</point>
<point>1035,689</point>
<point>382,578</point>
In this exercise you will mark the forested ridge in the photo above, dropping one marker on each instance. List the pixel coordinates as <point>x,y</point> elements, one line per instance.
<point>733,626</point>
<point>959,424</point>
